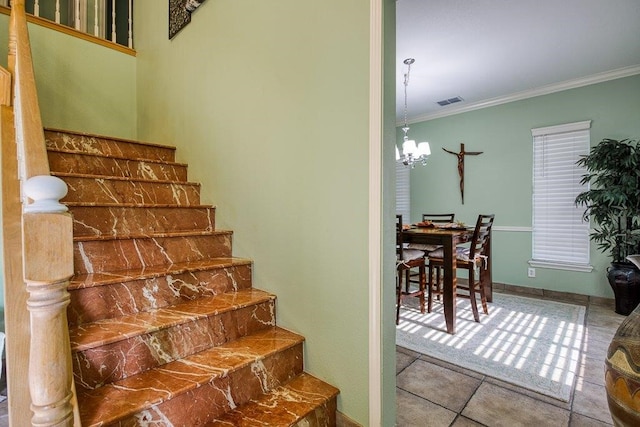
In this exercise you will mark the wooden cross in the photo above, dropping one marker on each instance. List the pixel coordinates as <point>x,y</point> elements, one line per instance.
<point>460,156</point>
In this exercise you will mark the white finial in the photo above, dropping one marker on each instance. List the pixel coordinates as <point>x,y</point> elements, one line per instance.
<point>46,192</point>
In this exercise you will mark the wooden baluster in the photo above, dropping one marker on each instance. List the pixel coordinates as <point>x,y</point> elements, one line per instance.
<point>130,39</point>
<point>57,12</point>
<point>96,27</point>
<point>113,21</point>
<point>77,20</point>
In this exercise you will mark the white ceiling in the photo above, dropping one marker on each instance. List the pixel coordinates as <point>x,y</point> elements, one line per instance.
<point>487,51</point>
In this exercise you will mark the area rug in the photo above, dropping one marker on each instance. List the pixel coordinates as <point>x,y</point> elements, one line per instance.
<point>527,342</point>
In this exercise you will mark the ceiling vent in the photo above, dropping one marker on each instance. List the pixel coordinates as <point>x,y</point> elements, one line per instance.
<point>450,101</point>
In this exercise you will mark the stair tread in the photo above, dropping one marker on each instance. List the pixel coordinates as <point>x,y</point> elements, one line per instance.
<point>111,156</point>
<point>107,331</point>
<point>157,235</point>
<point>153,235</point>
<point>107,404</point>
<point>118,205</point>
<point>282,406</point>
<point>101,279</point>
<point>136,206</point>
<point>110,138</point>
<point>121,178</point>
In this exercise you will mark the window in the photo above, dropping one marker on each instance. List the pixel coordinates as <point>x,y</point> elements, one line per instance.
<point>560,236</point>
<point>403,192</point>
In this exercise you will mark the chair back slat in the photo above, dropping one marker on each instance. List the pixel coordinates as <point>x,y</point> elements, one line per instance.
<point>399,242</point>
<point>481,235</point>
<point>439,218</point>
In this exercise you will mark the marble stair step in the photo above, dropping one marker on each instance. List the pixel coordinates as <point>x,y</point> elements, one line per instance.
<point>303,401</point>
<point>56,139</point>
<point>93,164</point>
<point>113,349</point>
<point>93,189</point>
<point>116,254</point>
<point>199,388</point>
<point>98,221</point>
<point>97,297</point>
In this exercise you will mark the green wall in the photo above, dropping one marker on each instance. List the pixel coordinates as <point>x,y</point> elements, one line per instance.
<point>268,103</point>
<point>499,180</point>
<point>81,85</point>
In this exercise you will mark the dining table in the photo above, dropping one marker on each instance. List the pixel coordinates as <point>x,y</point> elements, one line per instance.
<point>449,238</point>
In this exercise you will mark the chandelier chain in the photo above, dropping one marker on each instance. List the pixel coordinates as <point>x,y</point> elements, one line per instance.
<point>408,62</point>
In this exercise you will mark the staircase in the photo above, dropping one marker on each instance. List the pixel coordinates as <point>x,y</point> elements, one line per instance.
<point>165,326</point>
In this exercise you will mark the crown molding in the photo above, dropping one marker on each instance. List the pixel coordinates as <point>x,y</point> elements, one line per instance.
<point>543,90</point>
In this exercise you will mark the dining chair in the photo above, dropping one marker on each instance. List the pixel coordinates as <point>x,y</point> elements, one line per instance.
<point>406,259</point>
<point>472,258</point>
<point>438,218</point>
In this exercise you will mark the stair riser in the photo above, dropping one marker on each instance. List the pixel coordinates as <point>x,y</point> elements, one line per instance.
<point>204,404</point>
<point>105,302</point>
<point>128,357</point>
<point>108,147</point>
<point>113,255</point>
<point>110,191</point>
<point>323,416</point>
<point>84,164</point>
<point>96,221</point>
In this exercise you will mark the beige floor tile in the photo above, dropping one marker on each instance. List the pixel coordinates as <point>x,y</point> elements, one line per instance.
<point>407,351</point>
<point>591,400</point>
<point>603,316</point>
<point>402,361</point>
<point>530,393</point>
<point>578,420</point>
<point>437,384</point>
<point>592,370</point>
<point>600,333</point>
<point>453,367</point>
<point>596,348</point>
<point>465,422</point>
<point>494,406</point>
<point>414,411</point>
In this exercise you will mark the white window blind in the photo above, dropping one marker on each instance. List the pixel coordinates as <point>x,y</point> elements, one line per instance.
<point>560,236</point>
<point>403,192</point>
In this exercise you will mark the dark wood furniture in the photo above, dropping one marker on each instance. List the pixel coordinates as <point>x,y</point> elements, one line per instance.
<point>439,218</point>
<point>448,238</point>
<point>476,256</point>
<point>406,259</point>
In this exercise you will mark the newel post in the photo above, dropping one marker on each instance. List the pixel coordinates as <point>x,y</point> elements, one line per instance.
<point>48,266</point>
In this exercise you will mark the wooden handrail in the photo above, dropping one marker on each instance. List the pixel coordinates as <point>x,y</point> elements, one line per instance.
<point>29,130</point>
<point>38,252</point>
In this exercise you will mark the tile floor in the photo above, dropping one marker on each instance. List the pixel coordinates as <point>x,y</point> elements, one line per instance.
<point>433,393</point>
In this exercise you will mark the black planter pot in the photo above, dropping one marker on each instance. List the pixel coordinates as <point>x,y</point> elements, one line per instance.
<point>624,279</point>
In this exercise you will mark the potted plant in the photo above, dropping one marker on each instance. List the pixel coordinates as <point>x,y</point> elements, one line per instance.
<point>613,203</point>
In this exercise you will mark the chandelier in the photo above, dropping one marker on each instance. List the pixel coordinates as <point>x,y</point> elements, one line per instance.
<point>412,153</point>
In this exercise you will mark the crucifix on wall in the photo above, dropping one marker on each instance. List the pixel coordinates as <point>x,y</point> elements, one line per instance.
<point>460,156</point>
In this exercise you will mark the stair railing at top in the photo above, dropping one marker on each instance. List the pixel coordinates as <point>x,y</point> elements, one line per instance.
<point>37,251</point>
<point>108,20</point>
